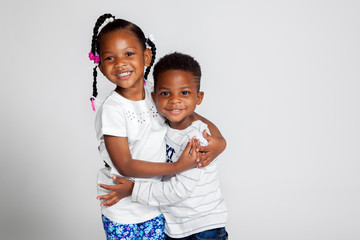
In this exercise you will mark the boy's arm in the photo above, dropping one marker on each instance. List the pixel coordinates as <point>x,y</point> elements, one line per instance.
<point>216,146</point>
<point>178,188</point>
<point>120,155</point>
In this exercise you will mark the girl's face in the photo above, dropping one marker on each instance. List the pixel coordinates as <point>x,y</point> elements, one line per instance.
<point>123,59</point>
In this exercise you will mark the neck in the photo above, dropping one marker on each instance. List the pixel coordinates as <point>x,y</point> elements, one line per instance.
<point>135,93</point>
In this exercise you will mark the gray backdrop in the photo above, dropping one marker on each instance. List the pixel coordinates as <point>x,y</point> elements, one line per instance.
<point>281,81</point>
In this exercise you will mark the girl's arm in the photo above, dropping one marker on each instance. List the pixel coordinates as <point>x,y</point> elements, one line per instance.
<point>216,146</point>
<point>120,155</point>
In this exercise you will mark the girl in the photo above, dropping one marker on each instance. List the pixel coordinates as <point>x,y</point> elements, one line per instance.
<point>129,127</point>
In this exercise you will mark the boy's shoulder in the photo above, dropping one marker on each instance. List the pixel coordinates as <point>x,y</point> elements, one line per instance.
<point>197,126</point>
<point>194,130</point>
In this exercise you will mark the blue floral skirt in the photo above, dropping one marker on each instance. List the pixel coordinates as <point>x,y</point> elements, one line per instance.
<point>152,229</point>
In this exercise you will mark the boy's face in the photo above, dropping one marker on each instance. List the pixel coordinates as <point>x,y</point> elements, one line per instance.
<point>176,96</point>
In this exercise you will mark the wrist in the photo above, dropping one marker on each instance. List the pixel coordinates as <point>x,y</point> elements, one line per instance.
<point>130,190</point>
<point>178,167</point>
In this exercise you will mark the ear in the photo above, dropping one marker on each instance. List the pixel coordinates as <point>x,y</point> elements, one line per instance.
<point>200,97</point>
<point>153,95</point>
<point>147,57</point>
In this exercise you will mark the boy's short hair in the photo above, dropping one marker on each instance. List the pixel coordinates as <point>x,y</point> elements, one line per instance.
<point>177,61</point>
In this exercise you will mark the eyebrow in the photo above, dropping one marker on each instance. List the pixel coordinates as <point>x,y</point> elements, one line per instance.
<point>165,88</point>
<point>123,49</point>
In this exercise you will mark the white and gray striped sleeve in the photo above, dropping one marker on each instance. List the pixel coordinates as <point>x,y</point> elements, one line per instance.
<point>176,189</point>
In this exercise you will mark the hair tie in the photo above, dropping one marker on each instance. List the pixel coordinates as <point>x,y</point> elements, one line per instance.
<point>92,99</point>
<point>93,57</point>
<point>151,37</point>
<point>110,19</point>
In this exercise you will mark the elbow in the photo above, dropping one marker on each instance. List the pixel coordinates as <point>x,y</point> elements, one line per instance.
<point>125,172</point>
<point>224,144</point>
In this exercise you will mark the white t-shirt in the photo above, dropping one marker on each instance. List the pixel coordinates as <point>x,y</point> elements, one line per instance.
<point>191,201</point>
<point>145,130</point>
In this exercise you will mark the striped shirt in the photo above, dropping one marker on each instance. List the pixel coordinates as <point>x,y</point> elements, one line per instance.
<point>190,201</point>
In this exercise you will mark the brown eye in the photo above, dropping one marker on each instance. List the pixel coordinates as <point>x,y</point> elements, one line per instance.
<point>164,93</point>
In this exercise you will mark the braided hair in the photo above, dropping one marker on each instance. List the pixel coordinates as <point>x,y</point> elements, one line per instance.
<point>153,51</point>
<point>111,26</point>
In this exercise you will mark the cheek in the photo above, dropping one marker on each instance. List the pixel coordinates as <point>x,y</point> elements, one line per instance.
<point>139,62</point>
<point>162,102</point>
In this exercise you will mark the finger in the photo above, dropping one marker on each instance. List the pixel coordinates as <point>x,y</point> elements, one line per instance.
<point>109,202</point>
<point>203,163</point>
<point>196,143</point>
<point>188,146</point>
<point>107,187</point>
<point>204,148</point>
<point>194,153</point>
<point>205,157</point>
<point>118,179</point>
<point>205,134</point>
<point>102,197</point>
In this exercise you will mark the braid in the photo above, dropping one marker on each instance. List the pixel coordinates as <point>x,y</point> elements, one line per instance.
<point>95,93</point>
<point>153,51</point>
<point>98,24</point>
<point>94,50</point>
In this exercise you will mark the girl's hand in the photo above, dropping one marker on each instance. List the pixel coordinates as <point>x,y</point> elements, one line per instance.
<point>189,157</point>
<point>119,191</point>
<point>208,153</point>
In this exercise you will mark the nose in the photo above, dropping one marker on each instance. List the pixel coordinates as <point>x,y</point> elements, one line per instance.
<point>174,99</point>
<point>120,62</point>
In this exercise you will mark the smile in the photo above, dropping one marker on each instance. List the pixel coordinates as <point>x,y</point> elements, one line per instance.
<point>175,111</point>
<point>123,74</point>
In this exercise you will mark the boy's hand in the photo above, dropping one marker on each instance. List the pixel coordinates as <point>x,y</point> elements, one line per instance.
<point>208,153</point>
<point>119,191</point>
<point>189,156</point>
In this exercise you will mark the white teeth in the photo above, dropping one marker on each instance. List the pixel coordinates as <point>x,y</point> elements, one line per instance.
<point>123,74</point>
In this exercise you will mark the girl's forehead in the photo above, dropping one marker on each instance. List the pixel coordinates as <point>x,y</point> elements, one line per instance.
<point>122,34</point>
<point>120,37</point>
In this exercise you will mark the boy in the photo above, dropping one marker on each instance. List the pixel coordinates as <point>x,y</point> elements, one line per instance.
<point>191,201</point>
